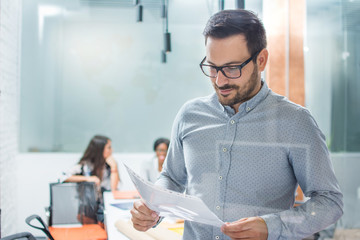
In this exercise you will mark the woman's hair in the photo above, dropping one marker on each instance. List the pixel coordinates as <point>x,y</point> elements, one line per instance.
<point>94,154</point>
<point>227,23</point>
<point>160,141</point>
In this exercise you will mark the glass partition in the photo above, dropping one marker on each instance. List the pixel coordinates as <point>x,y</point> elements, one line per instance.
<point>93,69</point>
<point>332,68</point>
<point>88,67</point>
<point>332,74</point>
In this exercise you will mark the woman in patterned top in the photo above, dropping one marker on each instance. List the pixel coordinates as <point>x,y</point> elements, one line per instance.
<point>96,165</point>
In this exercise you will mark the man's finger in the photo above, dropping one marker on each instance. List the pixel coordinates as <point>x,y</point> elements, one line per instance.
<point>143,218</point>
<point>247,234</point>
<point>144,210</point>
<point>237,226</point>
<point>254,228</point>
<point>143,225</point>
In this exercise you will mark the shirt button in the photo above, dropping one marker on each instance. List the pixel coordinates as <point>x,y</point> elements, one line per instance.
<point>220,177</point>
<point>217,207</point>
<point>224,150</point>
<point>248,109</point>
<point>217,237</point>
<point>232,121</point>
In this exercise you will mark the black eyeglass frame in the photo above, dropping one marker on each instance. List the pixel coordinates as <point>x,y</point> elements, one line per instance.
<point>221,67</point>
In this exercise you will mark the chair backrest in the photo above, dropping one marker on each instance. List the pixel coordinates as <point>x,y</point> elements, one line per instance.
<point>72,203</point>
<point>22,235</point>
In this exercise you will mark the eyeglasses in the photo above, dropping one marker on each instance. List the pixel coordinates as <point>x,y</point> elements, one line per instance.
<point>161,150</point>
<point>229,71</point>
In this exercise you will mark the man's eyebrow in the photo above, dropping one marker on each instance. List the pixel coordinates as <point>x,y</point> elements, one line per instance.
<point>226,64</point>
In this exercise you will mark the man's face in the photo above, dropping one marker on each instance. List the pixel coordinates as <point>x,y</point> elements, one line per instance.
<point>233,51</point>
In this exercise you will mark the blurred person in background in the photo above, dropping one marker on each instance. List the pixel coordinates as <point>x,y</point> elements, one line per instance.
<point>152,168</point>
<point>96,165</point>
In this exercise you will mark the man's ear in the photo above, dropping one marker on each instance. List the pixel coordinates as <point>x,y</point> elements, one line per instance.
<point>262,59</point>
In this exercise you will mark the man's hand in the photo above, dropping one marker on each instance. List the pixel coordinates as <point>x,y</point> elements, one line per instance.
<point>246,228</point>
<point>143,218</point>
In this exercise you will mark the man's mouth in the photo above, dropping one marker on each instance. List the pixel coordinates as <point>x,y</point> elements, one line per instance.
<point>225,91</point>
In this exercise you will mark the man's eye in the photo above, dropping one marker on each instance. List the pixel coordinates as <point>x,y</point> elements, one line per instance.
<point>232,68</point>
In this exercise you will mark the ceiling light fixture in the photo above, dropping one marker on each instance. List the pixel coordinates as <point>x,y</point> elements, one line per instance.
<point>167,42</point>
<point>163,56</point>
<point>139,13</point>
<point>167,36</point>
<point>240,4</point>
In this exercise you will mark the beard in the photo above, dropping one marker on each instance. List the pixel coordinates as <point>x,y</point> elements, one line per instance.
<point>242,94</point>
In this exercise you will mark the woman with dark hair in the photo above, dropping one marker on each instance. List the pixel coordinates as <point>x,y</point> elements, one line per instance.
<point>99,166</point>
<point>153,167</point>
<point>96,165</point>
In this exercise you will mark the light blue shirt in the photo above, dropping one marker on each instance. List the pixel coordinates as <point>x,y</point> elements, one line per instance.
<point>250,164</point>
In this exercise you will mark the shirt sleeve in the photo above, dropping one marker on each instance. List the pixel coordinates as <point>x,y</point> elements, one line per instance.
<point>309,157</point>
<point>75,170</point>
<point>173,175</point>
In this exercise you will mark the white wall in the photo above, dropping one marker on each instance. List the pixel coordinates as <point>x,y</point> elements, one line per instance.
<point>36,170</point>
<point>10,26</point>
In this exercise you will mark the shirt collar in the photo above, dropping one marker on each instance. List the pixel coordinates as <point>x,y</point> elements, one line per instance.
<point>250,104</point>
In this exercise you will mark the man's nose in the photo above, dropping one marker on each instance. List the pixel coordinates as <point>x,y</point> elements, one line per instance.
<point>221,80</point>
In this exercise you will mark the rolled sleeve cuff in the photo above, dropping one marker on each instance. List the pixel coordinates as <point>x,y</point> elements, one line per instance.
<point>158,222</point>
<point>273,224</point>
<point>63,177</point>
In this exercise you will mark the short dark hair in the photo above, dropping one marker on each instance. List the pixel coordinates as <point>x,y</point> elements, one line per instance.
<point>160,141</point>
<point>227,23</point>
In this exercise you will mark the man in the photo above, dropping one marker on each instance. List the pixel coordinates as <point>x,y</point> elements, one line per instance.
<point>244,149</point>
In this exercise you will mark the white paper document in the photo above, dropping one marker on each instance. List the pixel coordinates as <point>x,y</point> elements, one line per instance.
<point>173,204</point>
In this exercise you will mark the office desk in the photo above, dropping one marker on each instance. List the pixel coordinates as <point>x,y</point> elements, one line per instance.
<point>113,214</point>
<point>121,217</point>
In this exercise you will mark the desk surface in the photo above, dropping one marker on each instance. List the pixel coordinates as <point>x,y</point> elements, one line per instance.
<point>113,214</point>
<point>119,209</point>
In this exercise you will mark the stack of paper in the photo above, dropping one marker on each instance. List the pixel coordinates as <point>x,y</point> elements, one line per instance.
<point>173,204</point>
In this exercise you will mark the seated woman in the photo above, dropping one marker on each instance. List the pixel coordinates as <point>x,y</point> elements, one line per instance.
<point>152,168</point>
<point>96,165</point>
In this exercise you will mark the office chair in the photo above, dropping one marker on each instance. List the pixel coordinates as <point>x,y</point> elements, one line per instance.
<point>22,235</point>
<point>73,203</point>
<point>85,232</point>
<point>44,227</point>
